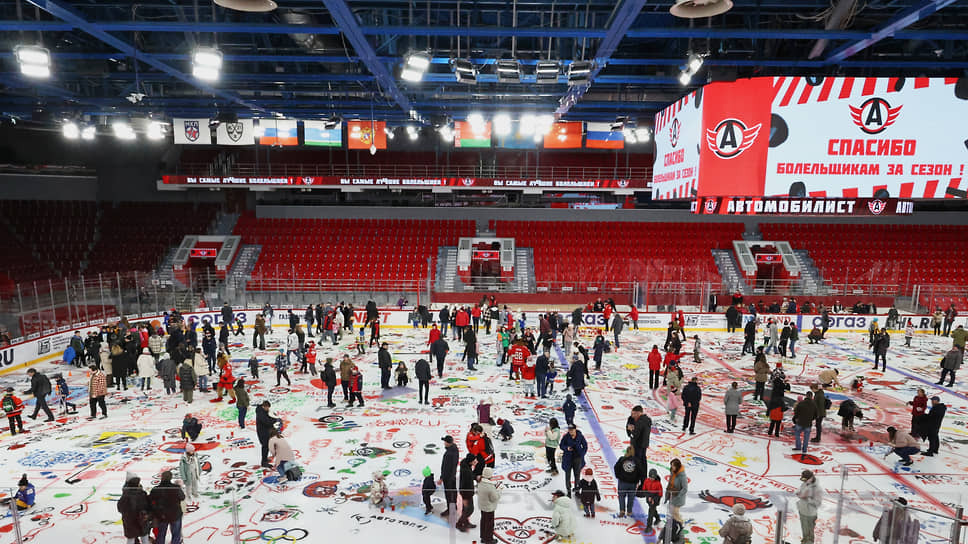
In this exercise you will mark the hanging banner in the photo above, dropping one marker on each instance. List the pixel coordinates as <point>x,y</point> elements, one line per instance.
<point>316,134</point>
<point>279,132</point>
<point>240,132</point>
<point>800,207</point>
<point>363,134</point>
<point>191,131</point>
<point>564,135</point>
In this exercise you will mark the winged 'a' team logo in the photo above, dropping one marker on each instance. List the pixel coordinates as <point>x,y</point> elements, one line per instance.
<point>731,137</point>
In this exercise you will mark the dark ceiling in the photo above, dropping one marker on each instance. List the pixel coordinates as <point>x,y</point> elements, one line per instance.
<point>314,59</point>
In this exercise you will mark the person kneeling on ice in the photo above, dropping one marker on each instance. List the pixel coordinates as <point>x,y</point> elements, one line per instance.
<point>378,489</point>
<point>190,428</point>
<point>903,444</point>
<point>563,517</point>
<point>190,471</point>
<point>280,454</point>
<point>25,496</point>
<point>507,431</point>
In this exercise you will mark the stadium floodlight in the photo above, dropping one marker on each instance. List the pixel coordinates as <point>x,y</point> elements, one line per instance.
<point>413,132</point>
<point>88,132</point>
<point>580,72</point>
<point>34,61</point>
<point>543,123</point>
<point>446,133</point>
<point>502,124</point>
<point>685,78</point>
<point>207,63</point>
<point>418,61</point>
<point>547,71</point>
<point>618,124</point>
<point>477,123</point>
<point>630,136</point>
<point>70,130</point>
<point>122,130</point>
<point>411,75</point>
<point>526,124</point>
<point>508,71</point>
<point>643,135</point>
<point>156,130</point>
<point>464,71</point>
<point>695,63</point>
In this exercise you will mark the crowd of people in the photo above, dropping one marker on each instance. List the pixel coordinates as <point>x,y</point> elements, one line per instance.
<point>127,355</point>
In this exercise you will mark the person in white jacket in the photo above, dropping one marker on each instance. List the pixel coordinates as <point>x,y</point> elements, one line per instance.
<point>146,369</point>
<point>563,516</point>
<point>201,369</point>
<point>810,496</point>
<point>190,471</point>
<point>488,496</point>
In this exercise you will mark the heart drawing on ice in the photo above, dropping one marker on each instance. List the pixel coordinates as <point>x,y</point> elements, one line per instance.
<point>535,530</point>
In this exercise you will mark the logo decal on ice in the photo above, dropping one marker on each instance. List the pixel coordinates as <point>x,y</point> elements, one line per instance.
<point>191,131</point>
<point>751,503</point>
<point>674,132</point>
<point>874,115</point>
<point>731,137</point>
<point>234,130</point>
<point>876,206</point>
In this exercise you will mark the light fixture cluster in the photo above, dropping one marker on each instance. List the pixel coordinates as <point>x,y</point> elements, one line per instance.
<point>415,66</point>
<point>637,135</point>
<point>464,70</point>
<point>693,64</point>
<point>529,125</point>
<point>34,61</point>
<point>123,129</point>
<point>207,63</point>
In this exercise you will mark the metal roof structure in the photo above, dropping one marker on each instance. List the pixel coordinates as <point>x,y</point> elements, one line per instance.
<point>325,58</point>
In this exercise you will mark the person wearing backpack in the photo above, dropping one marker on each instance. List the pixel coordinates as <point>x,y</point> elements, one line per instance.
<point>628,471</point>
<point>738,529</point>
<point>13,407</point>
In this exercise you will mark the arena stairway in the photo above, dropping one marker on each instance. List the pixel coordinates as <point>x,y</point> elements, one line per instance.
<point>729,271</point>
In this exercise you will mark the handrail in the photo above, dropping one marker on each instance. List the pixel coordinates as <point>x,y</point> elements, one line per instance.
<point>417,170</point>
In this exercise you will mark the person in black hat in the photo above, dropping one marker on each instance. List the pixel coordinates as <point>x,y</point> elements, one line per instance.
<point>932,424</point>
<point>448,473</point>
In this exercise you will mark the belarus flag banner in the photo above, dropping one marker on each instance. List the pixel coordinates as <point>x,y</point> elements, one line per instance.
<point>278,132</point>
<point>363,134</point>
<point>565,135</point>
<point>464,135</point>
<point>601,136</point>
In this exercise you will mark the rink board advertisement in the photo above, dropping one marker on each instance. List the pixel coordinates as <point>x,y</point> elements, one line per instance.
<point>52,345</point>
<point>833,137</point>
<point>335,182</point>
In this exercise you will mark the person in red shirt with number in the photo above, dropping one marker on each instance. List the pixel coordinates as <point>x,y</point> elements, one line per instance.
<point>518,354</point>
<point>527,374</point>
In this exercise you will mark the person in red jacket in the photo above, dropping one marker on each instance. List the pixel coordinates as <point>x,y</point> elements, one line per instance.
<point>434,334</point>
<point>607,312</point>
<point>634,316</point>
<point>476,316</point>
<point>681,321</point>
<point>356,386</point>
<point>226,381</point>
<point>528,375</point>
<point>475,442</point>
<point>310,360</point>
<point>655,367</point>
<point>518,354</point>
<point>461,320</point>
<point>13,407</point>
<point>671,360</point>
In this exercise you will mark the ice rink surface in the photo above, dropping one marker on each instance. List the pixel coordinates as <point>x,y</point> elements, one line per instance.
<point>78,465</point>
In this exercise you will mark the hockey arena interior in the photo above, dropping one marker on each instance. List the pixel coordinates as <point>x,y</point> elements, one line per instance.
<point>492,271</point>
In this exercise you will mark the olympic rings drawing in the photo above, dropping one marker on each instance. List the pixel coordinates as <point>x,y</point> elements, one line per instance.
<point>276,534</point>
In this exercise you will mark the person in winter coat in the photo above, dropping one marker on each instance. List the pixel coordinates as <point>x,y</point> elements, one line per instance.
<point>448,473</point>
<point>146,369</point>
<point>881,342</point>
<point>379,491</point>
<point>691,397</point>
<point>618,324</point>
<point>438,350</point>
<point>567,339</point>
<point>165,500</point>
<point>731,401</point>
<point>655,366</point>
<point>428,489</point>
<point>562,517</point>
<point>820,400</point>
<point>187,379</point>
<point>577,374</point>
<point>749,336</point>
<point>466,491</point>
<point>135,510</point>
<point>201,370</point>
<point>264,425</point>
<point>156,344</point>
<point>282,368</point>
<point>629,472</point>
<point>259,332</point>
<point>488,496</point>
<point>903,444</point>
<point>328,377</point>
<point>653,497</point>
<point>568,407</point>
<point>573,448</point>
<point>12,408</point>
<point>242,396</point>
<point>421,371</point>
<point>386,365</point>
<point>804,414</point>
<point>97,389</point>
<point>639,430</point>
<point>949,365</point>
<point>848,411</point>
<point>931,425</point>
<point>677,488</point>
<point>809,496</point>
<point>773,333</point>
<point>588,492</point>
<point>599,348</point>
<point>166,371</point>
<point>761,372</point>
<point>356,387</point>
<point>39,387</point>
<point>189,471</point>
<point>738,529</point>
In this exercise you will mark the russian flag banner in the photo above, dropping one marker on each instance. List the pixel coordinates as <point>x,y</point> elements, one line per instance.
<point>601,136</point>
<point>278,132</point>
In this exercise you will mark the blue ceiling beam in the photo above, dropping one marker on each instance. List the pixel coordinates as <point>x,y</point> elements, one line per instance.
<point>889,29</point>
<point>618,27</point>
<point>67,14</point>
<point>340,11</point>
<point>521,32</point>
